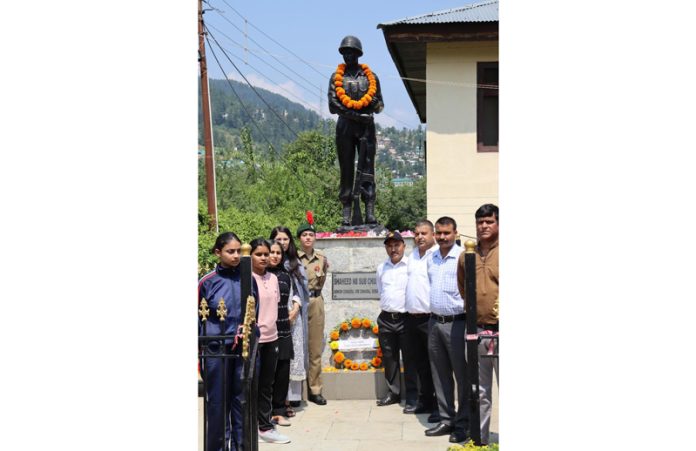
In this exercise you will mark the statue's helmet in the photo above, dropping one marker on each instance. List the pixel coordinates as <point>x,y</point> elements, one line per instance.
<point>351,42</point>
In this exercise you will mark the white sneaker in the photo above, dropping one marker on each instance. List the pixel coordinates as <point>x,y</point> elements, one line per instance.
<point>273,436</point>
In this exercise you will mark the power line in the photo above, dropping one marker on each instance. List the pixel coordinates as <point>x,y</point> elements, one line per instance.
<point>263,61</point>
<point>254,41</point>
<point>275,83</point>
<point>239,98</point>
<point>252,87</point>
<point>278,43</point>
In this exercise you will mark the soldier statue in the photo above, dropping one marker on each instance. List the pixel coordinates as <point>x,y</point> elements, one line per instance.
<point>355,95</point>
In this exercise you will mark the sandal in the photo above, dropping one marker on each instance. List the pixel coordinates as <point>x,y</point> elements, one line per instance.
<point>280,421</point>
<point>289,411</point>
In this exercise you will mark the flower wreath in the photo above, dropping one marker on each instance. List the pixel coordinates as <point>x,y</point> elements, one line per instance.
<point>345,99</point>
<point>339,357</point>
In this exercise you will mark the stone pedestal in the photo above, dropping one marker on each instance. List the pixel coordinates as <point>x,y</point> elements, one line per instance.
<point>359,254</point>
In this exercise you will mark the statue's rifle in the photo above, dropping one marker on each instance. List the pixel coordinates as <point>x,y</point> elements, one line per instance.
<point>359,178</point>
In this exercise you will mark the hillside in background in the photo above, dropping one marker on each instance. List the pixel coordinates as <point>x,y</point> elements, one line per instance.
<point>399,152</point>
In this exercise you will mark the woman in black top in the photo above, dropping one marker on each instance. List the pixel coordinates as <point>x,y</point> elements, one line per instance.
<point>285,349</point>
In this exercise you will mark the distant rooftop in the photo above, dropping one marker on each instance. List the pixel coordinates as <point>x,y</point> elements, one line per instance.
<point>407,40</point>
<point>486,11</point>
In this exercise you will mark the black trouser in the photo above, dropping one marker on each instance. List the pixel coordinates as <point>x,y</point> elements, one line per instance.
<point>348,134</point>
<point>391,339</point>
<point>417,362</point>
<point>280,387</point>
<point>268,358</point>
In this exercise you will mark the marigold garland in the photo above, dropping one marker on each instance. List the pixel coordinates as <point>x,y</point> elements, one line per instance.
<point>344,98</point>
<point>340,358</point>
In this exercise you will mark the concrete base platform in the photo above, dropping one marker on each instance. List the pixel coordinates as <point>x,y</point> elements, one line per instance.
<point>354,385</point>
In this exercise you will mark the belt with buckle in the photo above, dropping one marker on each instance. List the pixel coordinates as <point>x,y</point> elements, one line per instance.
<point>392,315</point>
<point>419,315</point>
<point>315,293</point>
<point>447,318</point>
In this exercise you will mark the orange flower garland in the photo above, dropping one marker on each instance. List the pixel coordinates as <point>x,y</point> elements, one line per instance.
<point>340,359</point>
<point>345,99</point>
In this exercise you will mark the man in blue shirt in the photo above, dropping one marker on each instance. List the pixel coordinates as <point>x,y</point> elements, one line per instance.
<point>447,330</point>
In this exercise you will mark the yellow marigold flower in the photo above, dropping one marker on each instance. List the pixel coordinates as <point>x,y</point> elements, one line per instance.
<point>334,345</point>
<point>377,343</point>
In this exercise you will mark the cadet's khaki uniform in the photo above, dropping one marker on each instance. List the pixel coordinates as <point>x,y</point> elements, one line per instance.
<point>315,267</point>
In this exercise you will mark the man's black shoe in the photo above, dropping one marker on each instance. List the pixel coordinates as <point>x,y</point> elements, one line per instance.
<point>295,403</point>
<point>458,437</point>
<point>410,409</point>
<point>440,429</point>
<point>391,398</point>
<point>422,409</point>
<point>317,399</point>
<point>434,417</point>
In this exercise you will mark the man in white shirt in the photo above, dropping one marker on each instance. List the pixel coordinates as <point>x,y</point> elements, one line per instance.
<point>392,277</point>
<point>415,351</point>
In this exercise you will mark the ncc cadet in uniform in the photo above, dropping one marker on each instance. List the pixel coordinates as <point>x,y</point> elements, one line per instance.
<point>316,265</point>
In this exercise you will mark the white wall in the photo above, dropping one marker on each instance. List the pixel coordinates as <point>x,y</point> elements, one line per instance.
<point>460,179</point>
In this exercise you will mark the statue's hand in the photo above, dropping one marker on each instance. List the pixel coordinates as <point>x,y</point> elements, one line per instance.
<point>365,118</point>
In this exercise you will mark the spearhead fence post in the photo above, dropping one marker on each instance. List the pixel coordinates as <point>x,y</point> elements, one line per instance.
<point>472,363</point>
<point>249,345</point>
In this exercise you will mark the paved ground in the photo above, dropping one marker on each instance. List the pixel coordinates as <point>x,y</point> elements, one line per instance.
<point>358,425</point>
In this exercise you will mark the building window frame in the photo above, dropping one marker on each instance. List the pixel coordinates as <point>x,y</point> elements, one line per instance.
<point>486,90</point>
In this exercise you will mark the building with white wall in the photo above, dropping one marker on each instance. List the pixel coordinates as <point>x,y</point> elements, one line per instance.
<point>449,64</point>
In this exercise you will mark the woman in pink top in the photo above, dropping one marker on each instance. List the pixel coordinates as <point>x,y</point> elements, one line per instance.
<point>269,297</point>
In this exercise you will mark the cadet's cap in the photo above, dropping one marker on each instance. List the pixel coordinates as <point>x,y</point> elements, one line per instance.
<point>393,236</point>
<point>304,227</point>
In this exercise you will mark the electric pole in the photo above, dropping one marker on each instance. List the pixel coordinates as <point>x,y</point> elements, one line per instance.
<point>207,124</point>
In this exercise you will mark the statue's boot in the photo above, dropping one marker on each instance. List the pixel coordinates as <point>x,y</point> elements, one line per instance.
<point>346,215</point>
<point>370,213</point>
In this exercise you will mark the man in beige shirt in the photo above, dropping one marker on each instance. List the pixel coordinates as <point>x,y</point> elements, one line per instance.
<point>487,308</point>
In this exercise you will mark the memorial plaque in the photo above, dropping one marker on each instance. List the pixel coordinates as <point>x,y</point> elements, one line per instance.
<point>357,344</point>
<point>354,285</point>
